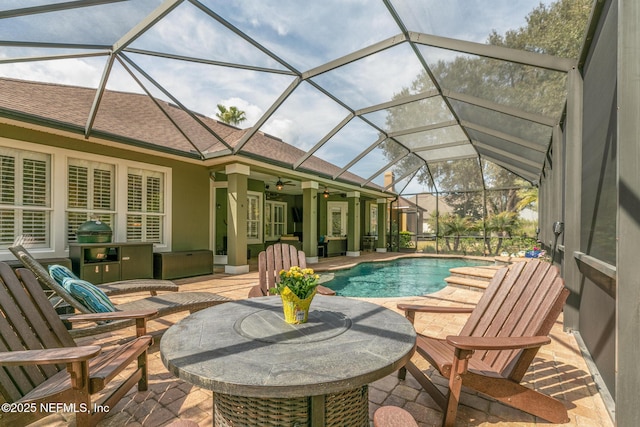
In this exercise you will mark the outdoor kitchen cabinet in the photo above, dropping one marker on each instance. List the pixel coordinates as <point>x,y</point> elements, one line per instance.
<point>110,262</point>
<point>336,246</point>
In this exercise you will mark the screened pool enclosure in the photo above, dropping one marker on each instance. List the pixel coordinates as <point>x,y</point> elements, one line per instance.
<point>506,113</point>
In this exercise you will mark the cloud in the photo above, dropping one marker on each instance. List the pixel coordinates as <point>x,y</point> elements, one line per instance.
<point>315,33</point>
<point>84,72</point>
<point>282,128</point>
<point>465,20</point>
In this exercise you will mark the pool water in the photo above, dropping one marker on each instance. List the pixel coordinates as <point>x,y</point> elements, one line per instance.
<point>397,278</point>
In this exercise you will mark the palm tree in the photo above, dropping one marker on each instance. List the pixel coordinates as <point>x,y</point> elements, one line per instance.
<point>528,197</point>
<point>230,116</point>
<point>501,225</point>
<point>456,226</point>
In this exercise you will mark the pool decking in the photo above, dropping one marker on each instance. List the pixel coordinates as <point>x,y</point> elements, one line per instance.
<point>559,369</point>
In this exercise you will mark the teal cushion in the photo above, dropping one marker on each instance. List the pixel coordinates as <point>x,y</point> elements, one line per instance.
<point>60,272</point>
<point>88,295</point>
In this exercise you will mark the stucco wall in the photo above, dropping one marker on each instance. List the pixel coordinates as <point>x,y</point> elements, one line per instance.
<point>190,183</point>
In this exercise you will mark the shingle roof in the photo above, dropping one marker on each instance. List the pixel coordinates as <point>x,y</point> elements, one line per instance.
<point>138,118</point>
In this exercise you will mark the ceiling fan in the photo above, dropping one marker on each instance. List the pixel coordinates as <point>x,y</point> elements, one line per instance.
<point>326,193</point>
<point>280,184</point>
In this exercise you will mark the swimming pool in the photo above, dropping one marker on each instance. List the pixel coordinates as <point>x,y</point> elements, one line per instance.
<point>397,278</point>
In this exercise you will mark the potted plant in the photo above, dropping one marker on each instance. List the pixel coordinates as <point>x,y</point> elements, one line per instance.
<point>297,287</point>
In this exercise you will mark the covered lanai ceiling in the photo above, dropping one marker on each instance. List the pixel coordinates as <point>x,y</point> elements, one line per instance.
<point>361,84</point>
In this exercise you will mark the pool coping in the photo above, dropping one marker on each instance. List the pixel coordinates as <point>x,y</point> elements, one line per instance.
<point>319,267</point>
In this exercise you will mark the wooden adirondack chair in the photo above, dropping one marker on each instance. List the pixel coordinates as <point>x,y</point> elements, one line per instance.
<point>498,342</point>
<point>163,305</point>
<point>271,261</point>
<point>40,362</point>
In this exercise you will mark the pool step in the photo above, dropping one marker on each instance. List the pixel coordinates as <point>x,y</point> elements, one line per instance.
<point>466,283</point>
<point>480,272</point>
<point>474,278</point>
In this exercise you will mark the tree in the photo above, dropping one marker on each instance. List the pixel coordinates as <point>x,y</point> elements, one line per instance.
<point>556,29</point>
<point>528,197</point>
<point>230,116</point>
<point>454,226</point>
<point>500,225</point>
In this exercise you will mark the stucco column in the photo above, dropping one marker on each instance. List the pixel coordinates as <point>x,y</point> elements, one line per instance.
<point>353,224</point>
<point>237,176</point>
<point>382,225</point>
<point>310,221</point>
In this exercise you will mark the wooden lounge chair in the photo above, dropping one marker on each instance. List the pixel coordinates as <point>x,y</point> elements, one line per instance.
<point>165,304</point>
<point>122,287</point>
<point>40,363</point>
<point>498,342</point>
<point>271,261</point>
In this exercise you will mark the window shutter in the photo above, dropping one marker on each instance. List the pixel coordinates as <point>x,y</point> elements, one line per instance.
<point>154,229</point>
<point>90,194</point>
<point>36,225</point>
<point>78,185</point>
<point>7,180</point>
<point>7,227</point>
<point>134,193</point>
<point>145,200</point>
<point>154,194</point>
<point>25,194</point>
<point>134,228</point>
<point>102,189</point>
<point>34,183</point>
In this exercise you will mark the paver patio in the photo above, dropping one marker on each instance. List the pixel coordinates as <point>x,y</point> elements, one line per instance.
<point>559,369</point>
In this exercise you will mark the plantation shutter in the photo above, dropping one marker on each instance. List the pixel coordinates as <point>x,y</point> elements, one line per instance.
<point>35,192</point>
<point>145,205</point>
<point>25,196</point>
<point>102,189</point>
<point>154,204</point>
<point>7,196</point>
<point>90,194</point>
<point>7,180</point>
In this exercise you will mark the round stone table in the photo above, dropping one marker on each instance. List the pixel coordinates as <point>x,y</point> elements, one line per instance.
<point>264,371</point>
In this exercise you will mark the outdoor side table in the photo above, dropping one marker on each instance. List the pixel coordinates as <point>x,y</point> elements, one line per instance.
<point>264,371</point>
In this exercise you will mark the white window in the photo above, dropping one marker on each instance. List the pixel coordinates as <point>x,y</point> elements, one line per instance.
<point>275,217</point>
<point>337,218</point>
<point>145,205</point>
<point>254,217</point>
<point>90,194</point>
<point>25,196</point>
<point>46,193</point>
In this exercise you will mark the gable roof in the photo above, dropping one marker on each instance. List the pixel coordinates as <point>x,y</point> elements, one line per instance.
<point>148,121</point>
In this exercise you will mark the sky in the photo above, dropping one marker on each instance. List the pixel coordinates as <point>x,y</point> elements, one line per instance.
<point>295,38</point>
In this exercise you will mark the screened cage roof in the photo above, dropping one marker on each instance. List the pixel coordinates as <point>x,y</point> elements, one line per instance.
<point>344,89</point>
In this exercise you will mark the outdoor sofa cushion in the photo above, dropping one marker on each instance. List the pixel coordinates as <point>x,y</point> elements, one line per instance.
<point>60,272</point>
<point>88,295</point>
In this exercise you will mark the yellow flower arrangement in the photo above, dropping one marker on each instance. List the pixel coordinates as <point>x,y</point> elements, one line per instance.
<point>301,281</point>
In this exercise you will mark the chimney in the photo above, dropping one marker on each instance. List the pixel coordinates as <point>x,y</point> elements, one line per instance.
<point>388,179</point>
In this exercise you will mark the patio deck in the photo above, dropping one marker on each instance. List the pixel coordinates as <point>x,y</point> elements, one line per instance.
<point>559,369</point>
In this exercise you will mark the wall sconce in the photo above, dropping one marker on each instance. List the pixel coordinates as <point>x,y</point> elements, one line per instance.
<point>558,228</point>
